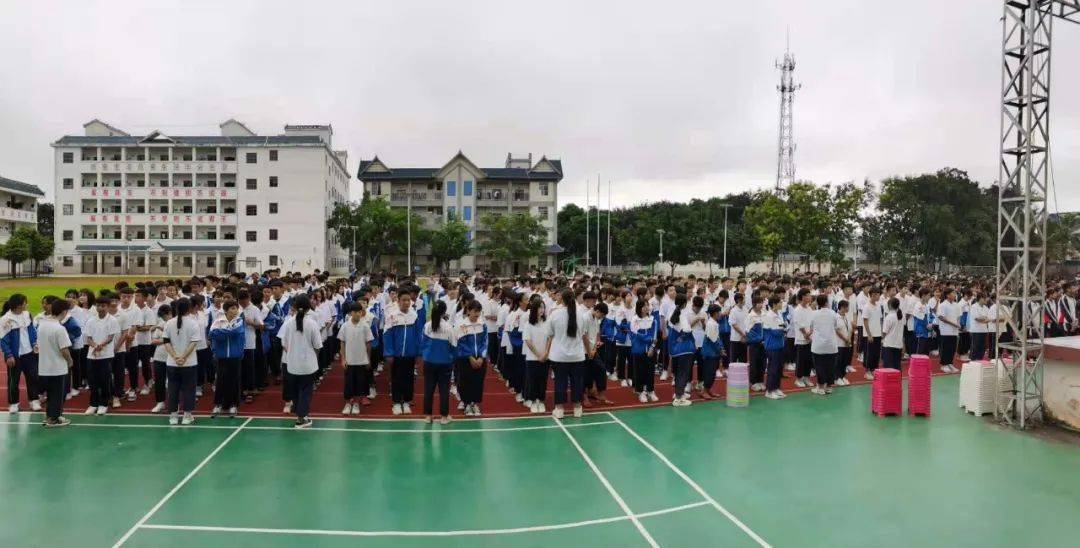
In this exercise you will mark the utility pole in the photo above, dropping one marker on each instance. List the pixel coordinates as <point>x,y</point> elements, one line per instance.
<point>661,232</point>
<point>587,248</point>
<point>785,155</point>
<point>726,207</point>
<point>598,221</point>
<point>609,224</point>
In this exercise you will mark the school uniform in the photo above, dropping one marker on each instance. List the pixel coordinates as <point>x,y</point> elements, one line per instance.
<point>402,343</point>
<point>52,339</point>
<point>802,318</point>
<point>438,354</point>
<point>922,321</point>
<point>513,369</point>
<point>181,333</point>
<point>949,333</point>
<point>157,360</point>
<point>979,329</point>
<point>737,352</point>
<point>606,354</point>
<point>123,364</point>
<point>755,352</point>
<point>642,335</point>
<point>623,370</point>
<point>595,370</point>
<point>823,347</point>
<point>711,351</point>
<point>872,320</point>
<point>844,351</point>
<point>78,348</point>
<point>99,363</point>
<point>472,342</point>
<point>536,336</point>
<point>251,315</point>
<point>227,340</point>
<point>302,348</point>
<point>682,353</point>
<point>892,340</point>
<point>567,354</point>
<point>356,336</point>
<point>773,335</point>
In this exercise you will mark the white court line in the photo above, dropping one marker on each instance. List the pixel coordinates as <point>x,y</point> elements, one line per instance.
<point>328,429</point>
<point>692,484</point>
<point>464,532</point>
<point>183,482</point>
<point>614,494</point>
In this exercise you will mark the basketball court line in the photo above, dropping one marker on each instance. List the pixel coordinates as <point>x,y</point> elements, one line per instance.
<point>178,486</point>
<point>464,532</point>
<point>607,485</point>
<point>693,484</point>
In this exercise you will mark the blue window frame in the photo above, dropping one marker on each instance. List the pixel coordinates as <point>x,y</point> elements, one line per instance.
<point>466,213</point>
<point>451,188</point>
<point>466,188</point>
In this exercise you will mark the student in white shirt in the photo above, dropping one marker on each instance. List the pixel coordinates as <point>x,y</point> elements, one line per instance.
<point>159,356</point>
<point>823,345</point>
<point>949,320</point>
<point>181,337</point>
<point>802,318</point>
<point>872,319</point>
<point>737,318</point>
<point>892,335</point>
<point>301,340</point>
<point>536,343</point>
<point>981,326</point>
<point>54,361</point>
<point>355,336</point>
<point>101,332</point>
<point>567,353</point>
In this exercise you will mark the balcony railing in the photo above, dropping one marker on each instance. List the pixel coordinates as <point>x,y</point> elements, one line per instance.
<point>158,218</point>
<point>159,166</point>
<point>18,215</point>
<point>417,196</point>
<point>173,192</point>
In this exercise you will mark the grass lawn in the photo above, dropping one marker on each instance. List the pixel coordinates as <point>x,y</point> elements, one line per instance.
<point>37,288</point>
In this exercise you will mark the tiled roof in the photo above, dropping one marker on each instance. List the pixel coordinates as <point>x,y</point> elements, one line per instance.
<point>19,186</point>
<point>193,140</point>
<point>496,173</point>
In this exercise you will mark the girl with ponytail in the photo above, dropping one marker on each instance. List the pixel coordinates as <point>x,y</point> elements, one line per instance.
<point>181,337</point>
<point>567,353</point>
<point>438,353</point>
<point>301,342</point>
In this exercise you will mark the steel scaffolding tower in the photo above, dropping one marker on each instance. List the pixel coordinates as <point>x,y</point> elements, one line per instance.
<point>785,155</point>
<point>1022,206</point>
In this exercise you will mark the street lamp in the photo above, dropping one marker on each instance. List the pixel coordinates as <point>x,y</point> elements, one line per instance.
<point>726,207</point>
<point>661,231</point>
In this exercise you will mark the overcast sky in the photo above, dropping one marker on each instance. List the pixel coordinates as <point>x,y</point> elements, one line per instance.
<point>669,100</point>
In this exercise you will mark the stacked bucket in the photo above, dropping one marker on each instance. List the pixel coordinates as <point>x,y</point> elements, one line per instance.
<point>919,385</point>
<point>887,393</point>
<point>738,385</point>
<point>979,387</point>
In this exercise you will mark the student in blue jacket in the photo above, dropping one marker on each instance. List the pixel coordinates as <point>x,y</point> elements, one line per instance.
<point>711,350</point>
<point>438,360</point>
<point>774,340</point>
<point>17,339</point>
<point>401,346</point>
<point>472,347</point>
<point>643,332</point>
<point>227,336</point>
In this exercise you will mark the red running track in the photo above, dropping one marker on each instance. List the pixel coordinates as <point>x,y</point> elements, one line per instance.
<point>328,400</point>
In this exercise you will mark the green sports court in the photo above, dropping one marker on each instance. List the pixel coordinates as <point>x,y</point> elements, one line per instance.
<point>805,471</point>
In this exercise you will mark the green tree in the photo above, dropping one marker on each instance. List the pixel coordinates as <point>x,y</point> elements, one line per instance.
<point>15,251</point>
<point>449,242</point>
<point>379,230</point>
<point>41,247</point>
<point>511,238</point>
<point>1062,237</point>
<point>45,218</point>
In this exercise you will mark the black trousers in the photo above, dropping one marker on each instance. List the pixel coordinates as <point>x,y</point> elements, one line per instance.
<point>978,345</point>
<point>803,361</point>
<point>27,366</point>
<point>725,342</point>
<point>273,361</point>
<point>78,369</point>
<point>737,352</point>
<point>493,347</point>
<point>890,358</point>
<point>288,385</point>
<point>97,374</point>
<point>181,383</point>
<point>774,364</point>
<point>570,374</point>
<point>305,385</point>
<point>119,364</point>
<point>402,377</point>
<point>356,381</point>
<point>607,355</point>
<point>910,344</point>
<point>471,385</point>
<point>683,368</point>
<point>247,371</point>
<point>823,366</point>
<point>622,362</point>
<point>206,368</point>
<point>756,355</point>
<point>644,372</point>
<point>596,373</point>
<point>922,346</point>
<point>146,354</point>
<point>260,365</point>
<point>53,385</point>
<point>707,372</point>
<point>536,382</point>
<point>227,389</point>
<point>963,343</point>
<point>159,382</point>
<point>437,375</point>
<point>515,369</point>
<point>132,365</point>
<point>843,360</point>
<point>948,349</point>
<point>873,353</point>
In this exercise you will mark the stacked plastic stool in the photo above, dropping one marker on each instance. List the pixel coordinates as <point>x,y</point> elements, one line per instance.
<point>887,393</point>
<point>738,385</point>
<point>919,385</point>
<point>979,387</point>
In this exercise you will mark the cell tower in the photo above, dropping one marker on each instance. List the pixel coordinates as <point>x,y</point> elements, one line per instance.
<point>785,155</point>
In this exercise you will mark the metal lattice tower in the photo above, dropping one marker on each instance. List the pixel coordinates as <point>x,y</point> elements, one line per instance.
<point>1022,205</point>
<point>785,154</point>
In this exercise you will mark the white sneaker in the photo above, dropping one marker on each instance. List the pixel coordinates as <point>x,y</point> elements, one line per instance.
<point>35,405</point>
<point>406,408</point>
<point>347,410</point>
<point>534,408</point>
<point>612,377</point>
<point>73,393</point>
<point>676,402</point>
<point>460,405</point>
<point>850,369</point>
<point>965,358</point>
<point>772,395</point>
<point>188,419</point>
<point>653,397</point>
<point>174,419</point>
<point>663,375</point>
<point>518,398</point>
<point>158,407</point>
<point>818,390</point>
<point>217,411</point>
<point>90,410</point>
<point>780,393</point>
<point>232,411</point>
<point>687,402</point>
<point>624,383</point>
<point>813,373</point>
<point>476,410</point>
<point>869,375</point>
<point>800,383</point>
<point>528,404</point>
<point>371,393</point>
<point>116,402</point>
<point>453,391</point>
<point>789,367</point>
<point>356,409</point>
<point>145,391</point>
<point>198,392</point>
<point>13,408</point>
<point>578,411</point>
<point>396,409</point>
<point>287,409</point>
<point>557,412</point>
<point>543,408</point>
<point>642,397</point>
<point>101,410</point>
<point>131,395</point>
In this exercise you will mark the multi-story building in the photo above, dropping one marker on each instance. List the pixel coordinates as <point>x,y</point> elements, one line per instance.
<point>459,189</point>
<point>180,205</point>
<point>18,209</point>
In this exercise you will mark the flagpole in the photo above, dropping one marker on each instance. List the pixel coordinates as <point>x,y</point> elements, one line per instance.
<point>587,223</point>
<point>609,223</point>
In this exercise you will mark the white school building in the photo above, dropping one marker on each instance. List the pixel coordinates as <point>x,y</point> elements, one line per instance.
<point>18,209</point>
<point>182,205</point>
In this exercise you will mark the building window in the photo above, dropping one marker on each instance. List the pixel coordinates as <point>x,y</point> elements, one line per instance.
<point>67,235</point>
<point>273,260</point>
<point>69,157</point>
<point>68,261</point>
<point>543,210</point>
<point>451,188</point>
<point>273,207</point>
<point>252,210</point>
<point>211,262</point>
<point>187,262</point>
<point>69,209</point>
<point>163,262</point>
<point>251,157</point>
<point>543,189</point>
<point>466,213</point>
<point>140,235</point>
<point>69,184</point>
<point>273,181</point>
<point>466,188</point>
<point>450,213</point>
<point>273,155</point>
<point>252,236</point>
<point>252,184</point>
<point>140,262</point>
<point>273,234</point>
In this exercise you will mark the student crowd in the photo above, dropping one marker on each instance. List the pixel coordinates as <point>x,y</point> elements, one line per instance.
<point>232,337</point>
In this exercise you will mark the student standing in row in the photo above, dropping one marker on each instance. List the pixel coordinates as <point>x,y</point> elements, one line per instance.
<point>400,349</point>
<point>802,318</point>
<point>949,321</point>
<point>472,348</point>
<point>301,341</point>
<point>54,361</point>
<point>536,342</point>
<point>680,332</point>
<point>755,352</point>
<point>892,335</point>
<point>823,347</point>
<point>438,360</point>
<point>568,352</point>
<point>981,324</point>
<point>17,338</point>
<point>710,351</point>
<point>355,336</point>
<point>181,337</point>
<point>227,336</point>
<point>872,319</point>
<point>160,356</point>
<point>773,333</point>
<point>643,332</point>
<point>844,342</point>
<point>101,333</point>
